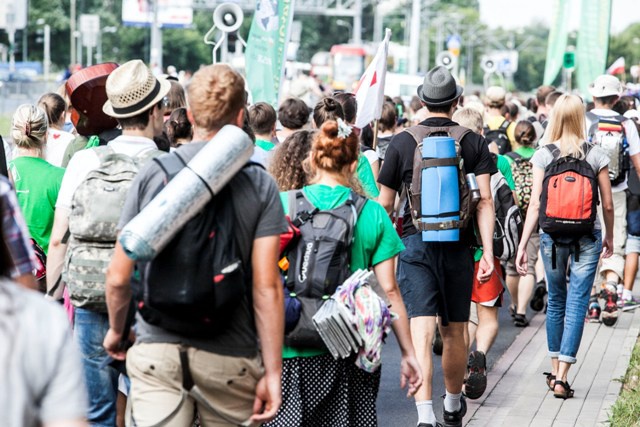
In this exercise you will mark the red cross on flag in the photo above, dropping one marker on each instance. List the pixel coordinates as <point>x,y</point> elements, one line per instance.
<point>370,91</point>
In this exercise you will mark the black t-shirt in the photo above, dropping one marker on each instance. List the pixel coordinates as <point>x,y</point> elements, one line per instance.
<point>397,168</point>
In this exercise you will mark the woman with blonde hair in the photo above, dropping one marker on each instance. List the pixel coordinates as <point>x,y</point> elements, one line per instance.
<point>318,390</point>
<point>568,302</point>
<point>36,181</point>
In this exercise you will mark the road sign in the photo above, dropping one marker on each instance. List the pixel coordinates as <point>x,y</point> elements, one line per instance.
<point>453,45</point>
<point>569,60</point>
<point>90,28</point>
<point>13,14</point>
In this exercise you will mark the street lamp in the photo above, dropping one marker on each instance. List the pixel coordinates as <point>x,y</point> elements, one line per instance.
<point>46,62</point>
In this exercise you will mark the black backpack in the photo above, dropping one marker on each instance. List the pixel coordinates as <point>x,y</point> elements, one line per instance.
<point>319,262</point>
<point>499,136</point>
<point>196,283</point>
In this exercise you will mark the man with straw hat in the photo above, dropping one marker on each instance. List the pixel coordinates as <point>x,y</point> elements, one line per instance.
<point>135,99</point>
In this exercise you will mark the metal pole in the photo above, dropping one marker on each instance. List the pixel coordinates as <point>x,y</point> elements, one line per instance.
<point>99,48</point>
<point>357,23</point>
<point>156,40</point>
<point>72,30</point>
<point>89,55</point>
<point>11,31</point>
<point>378,18</point>
<point>25,47</point>
<point>79,48</point>
<point>47,51</point>
<point>414,37</point>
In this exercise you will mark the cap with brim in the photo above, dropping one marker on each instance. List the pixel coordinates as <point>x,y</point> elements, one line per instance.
<point>132,89</point>
<point>439,87</point>
<point>605,85</point>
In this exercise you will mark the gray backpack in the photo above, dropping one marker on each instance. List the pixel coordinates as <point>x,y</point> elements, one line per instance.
<point>319,262</point>
<point>95,212</point>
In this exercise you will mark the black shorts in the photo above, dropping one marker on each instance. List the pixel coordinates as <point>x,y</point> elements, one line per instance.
<point>436,279</point>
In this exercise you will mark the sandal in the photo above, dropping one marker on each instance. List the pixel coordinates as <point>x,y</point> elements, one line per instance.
<point>520,321</point>
<point>551,379</point>
<point>567,391</point>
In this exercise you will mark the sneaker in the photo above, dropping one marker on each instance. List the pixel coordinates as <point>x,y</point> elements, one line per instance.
<point>593,313</point>
<point>454,419</point>
<point>537,300</point>
<point>437,343</point>
<point>630,304</point>
<point>619,290</point>
<point>476,382</point>
<point>610,296</point>
<point>437,424</point>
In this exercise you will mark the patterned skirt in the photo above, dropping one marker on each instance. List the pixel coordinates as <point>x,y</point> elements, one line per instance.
<point>319,391</point>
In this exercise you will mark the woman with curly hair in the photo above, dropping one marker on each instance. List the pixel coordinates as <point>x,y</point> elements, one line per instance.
<point>318,390</point>
<point>286,165</point>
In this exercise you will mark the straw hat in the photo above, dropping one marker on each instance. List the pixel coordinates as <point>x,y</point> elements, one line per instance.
<point>131,89</point>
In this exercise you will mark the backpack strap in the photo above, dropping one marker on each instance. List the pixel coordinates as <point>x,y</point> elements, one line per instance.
<point>554,150</point>
<point>504,125</point>
<point>103,152</point>
<point>171,164</point>
<point>514,156</point>
<point>304,215</point>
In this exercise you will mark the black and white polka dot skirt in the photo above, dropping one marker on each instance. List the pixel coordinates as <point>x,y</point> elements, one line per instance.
<point>322,392</point>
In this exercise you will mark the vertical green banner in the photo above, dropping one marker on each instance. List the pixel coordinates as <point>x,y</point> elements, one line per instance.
<point>593,42</point>
<point>267,49</point>
<point>557,39</point>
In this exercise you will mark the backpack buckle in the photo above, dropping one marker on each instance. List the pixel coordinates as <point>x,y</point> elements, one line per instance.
<point>304,216</point>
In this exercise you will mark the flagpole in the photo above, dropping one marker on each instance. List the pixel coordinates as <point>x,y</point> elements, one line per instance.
<point>375,133</point>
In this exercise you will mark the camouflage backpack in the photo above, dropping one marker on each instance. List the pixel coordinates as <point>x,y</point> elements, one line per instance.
<point>95,211</point>
<point>522,171</point>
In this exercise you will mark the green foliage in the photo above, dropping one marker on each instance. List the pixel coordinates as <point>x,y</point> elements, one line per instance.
<point>626,410</point>
<point>625,44</point>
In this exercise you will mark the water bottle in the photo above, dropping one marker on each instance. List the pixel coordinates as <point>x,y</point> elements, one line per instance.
<point>474,190</point>
<point>440,193</point>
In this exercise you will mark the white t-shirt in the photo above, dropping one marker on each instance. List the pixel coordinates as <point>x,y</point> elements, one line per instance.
<point>57,143</point>
<point>42,377</point>
<point>631,133</point>
<point>84,161</point>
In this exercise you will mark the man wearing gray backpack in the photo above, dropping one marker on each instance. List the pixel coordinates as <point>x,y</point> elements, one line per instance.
<point>88,209</point>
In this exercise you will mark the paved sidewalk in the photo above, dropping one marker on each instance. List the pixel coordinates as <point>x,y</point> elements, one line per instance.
<point>517,394</point>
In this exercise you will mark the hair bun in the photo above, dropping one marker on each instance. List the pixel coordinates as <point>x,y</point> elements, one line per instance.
<point>330,129</point>
<point>330,104</point>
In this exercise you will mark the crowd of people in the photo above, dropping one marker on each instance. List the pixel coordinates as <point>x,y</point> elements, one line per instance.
<point>217,329</point>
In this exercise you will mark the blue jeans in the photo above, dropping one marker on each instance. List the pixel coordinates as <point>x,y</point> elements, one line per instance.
<point>568,302</point>
<point>102,382</point>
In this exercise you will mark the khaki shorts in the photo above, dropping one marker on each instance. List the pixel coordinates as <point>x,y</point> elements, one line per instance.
<point>227,383</point>
<point>533,251</point>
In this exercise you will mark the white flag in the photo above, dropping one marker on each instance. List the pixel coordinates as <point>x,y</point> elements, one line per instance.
<point>370,91</point>
<point>617,67</point>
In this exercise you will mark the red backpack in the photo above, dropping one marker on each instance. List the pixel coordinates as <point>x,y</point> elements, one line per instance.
<point>569,199</point>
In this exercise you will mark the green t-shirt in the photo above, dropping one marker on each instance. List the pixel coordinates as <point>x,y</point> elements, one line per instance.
<point>505,169</point>
<point>264,144</point>
<point>375,240</point>
<point>526,152</point>
<point>365,175</point>
<point>37,184</point>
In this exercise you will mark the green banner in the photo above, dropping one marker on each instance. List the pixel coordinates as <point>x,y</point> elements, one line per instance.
<point>557,39</point>
<point>593,42</point>
<point>267,49</point>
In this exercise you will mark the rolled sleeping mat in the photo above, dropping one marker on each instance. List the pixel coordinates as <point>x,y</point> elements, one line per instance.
<point>186,194</point>
<point>440,191</point>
